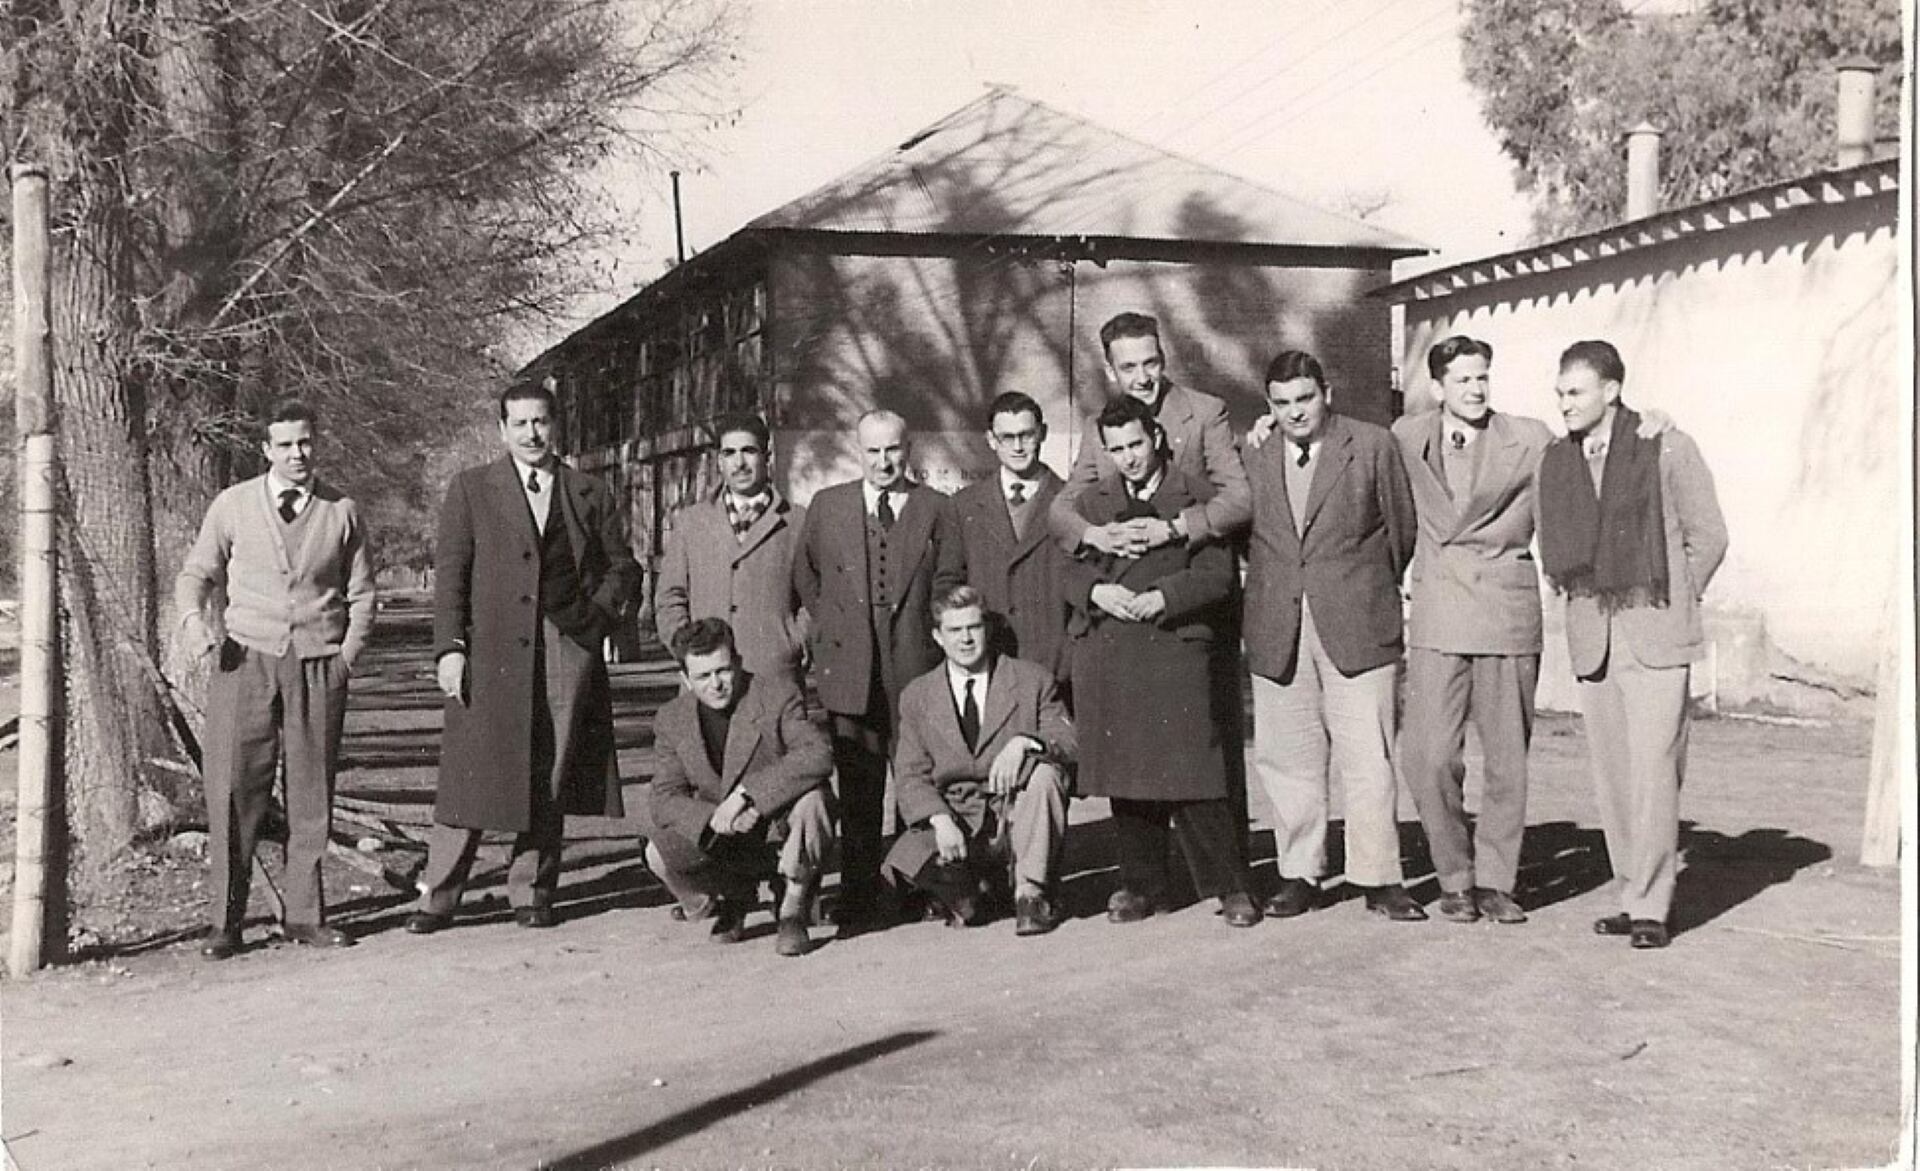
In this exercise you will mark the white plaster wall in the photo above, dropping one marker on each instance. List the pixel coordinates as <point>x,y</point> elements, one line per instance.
<point>1777,348</point>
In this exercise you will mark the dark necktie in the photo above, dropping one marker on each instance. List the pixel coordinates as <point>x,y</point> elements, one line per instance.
<point>1017,493</point>
<point>533,480</point>
<point>970,719</point>
<point>288,497</point>
<point>1457,440</point>
<point>884,511</point>
<point>1306,453</point>
<point>1017,507</point>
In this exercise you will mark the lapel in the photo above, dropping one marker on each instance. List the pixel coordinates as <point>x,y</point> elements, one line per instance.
<point>990,504</point>
<point>743,736</point>
<point>570,500</point>
<point>679,723</point>
<point>945,718</point>
<point>768,524</point>
<point>998,708</point>
<point>1264,466</point>
<point>510,498</point>
<point>911,532</point>
<point>1335,455</point>
<point>1493,471</point>
<point>1037,510</point>
<point>1176,420</point>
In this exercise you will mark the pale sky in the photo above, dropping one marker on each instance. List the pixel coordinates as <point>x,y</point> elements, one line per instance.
<point>1323,99</point>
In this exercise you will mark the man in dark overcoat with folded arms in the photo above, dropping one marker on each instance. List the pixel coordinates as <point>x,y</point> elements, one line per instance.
<point>531,572</point>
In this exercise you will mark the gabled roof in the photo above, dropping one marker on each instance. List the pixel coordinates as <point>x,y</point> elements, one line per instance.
<point>1004,165</point>
<point>1879,179</point>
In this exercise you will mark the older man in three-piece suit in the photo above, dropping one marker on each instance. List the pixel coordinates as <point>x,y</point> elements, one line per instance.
<point>531,572</point>
<point>1333,531</point>
<point>871,555</point>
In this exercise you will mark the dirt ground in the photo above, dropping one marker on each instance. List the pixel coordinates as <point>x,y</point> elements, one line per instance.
<point>1767,1036</point>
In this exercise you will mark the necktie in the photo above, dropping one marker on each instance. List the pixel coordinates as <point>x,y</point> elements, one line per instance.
<point>884,511</point>
<point>970,718</point>
<point>1017,493</point>
<point>1457,440</point>
<point>533,480</point>
<point>287,498</point>
<point>1306,453</point>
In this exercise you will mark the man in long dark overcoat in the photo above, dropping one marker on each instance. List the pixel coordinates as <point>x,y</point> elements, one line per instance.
<point>531,572</point>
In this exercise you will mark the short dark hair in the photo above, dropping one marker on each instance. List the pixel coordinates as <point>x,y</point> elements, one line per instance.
<point>1599,357</point>
<point>957,597</point>
<point>702,636</point>
<point>527,392</point>
<point>1123,410</point>
<point>291,410</point>
<point>1459,345</point>
<point>726,424</point>
<point>1288,365</point>
<point>1127,325</point>
<point>1015,403</point>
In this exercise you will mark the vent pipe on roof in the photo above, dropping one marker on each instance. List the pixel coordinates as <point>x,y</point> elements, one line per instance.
<point>1853,114</point>
<point>1643,171</point>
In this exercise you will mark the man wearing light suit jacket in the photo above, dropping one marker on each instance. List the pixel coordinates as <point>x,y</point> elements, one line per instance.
<point>872,553</point>
<point>980,767</point>
<point>731,557</point>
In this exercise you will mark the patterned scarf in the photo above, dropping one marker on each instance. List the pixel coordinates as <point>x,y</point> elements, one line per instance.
<point>744,514</point>
<point>1612,546</point>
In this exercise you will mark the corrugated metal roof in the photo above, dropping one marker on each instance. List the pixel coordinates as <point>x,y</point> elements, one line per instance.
<point>1005,165</point>
<point>1877,179</point>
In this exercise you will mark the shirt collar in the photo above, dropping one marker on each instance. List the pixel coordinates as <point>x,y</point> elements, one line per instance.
<point>1152,486</point>
<point>957,678</point>
<point>1008,480</point>
<point>872,495</point>
<point>276,485</point>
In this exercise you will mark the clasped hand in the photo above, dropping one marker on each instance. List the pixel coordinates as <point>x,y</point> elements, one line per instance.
<point>1126,605</point>
<point>734,815</point>
<point>1129,538</point>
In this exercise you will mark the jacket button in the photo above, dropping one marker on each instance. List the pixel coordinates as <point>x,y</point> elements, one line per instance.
<point>526,556</point>
<point>525,600</point>
<point>734,609</point>
<point>526,642</point>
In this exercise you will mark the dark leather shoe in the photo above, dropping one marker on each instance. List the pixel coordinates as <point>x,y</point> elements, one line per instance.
<point>427,922</point>
<point>1613,925</point>
<point>1296,896</point>
<point>1127,906</point>
<point>1238,910</point>
<point>1033,915</point>
<point>535,917</point>
<point>729,921</point>
<point>1648,934</point>
<point>1499,906</point>
<point>1395,903</point>
<point>1458,906</point>
<point>221,945</point>
<point>314,935</point>
<point>793,939</point>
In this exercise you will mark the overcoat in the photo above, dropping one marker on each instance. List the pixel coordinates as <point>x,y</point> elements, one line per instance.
<point>1019,576</point>
<point>486,602</point>
<point>830,575</point>
<point>707,572</point>
<point>1143,691</point>
<point>1347,564</point>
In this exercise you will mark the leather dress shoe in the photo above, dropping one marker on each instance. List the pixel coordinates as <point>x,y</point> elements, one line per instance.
<point>1616,924</point>
<point>792,938</point>
<point>428,922</point>
<point>1498,906</point>
<point>1395,903</point>
<point>1126,906</point>
<point>1238,909</point>
<point>1648,934</point>
<point>221,945</point>
<point>535,917</point>
<point>729,921</point>
<point>1033,915</point>
<point>315,935</point>
<point>1296,896</point>
<point>1458,906</point>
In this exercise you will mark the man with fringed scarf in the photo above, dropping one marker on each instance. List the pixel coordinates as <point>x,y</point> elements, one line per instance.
<point>1630,533</point>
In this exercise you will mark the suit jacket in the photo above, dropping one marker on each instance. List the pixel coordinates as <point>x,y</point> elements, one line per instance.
<point>485,601</point>
<point>705,572</point>
<point>1474,582</point>
<point>1672,635</point>
<point>830,575</point>
<point>933,770</point>
<point>1020,577</point>
<point>1201,442</point>
<point>1348,563</point>
<point>773,752</point>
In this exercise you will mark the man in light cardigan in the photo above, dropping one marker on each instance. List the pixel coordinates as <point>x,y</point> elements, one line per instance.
<point>289,555</point>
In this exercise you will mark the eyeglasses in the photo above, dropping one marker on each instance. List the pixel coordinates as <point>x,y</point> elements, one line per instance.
<point>1013,437</point>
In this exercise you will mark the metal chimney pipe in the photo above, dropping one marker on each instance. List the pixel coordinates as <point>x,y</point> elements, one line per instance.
<point>1853,113</point>
<point>1643,171</point>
